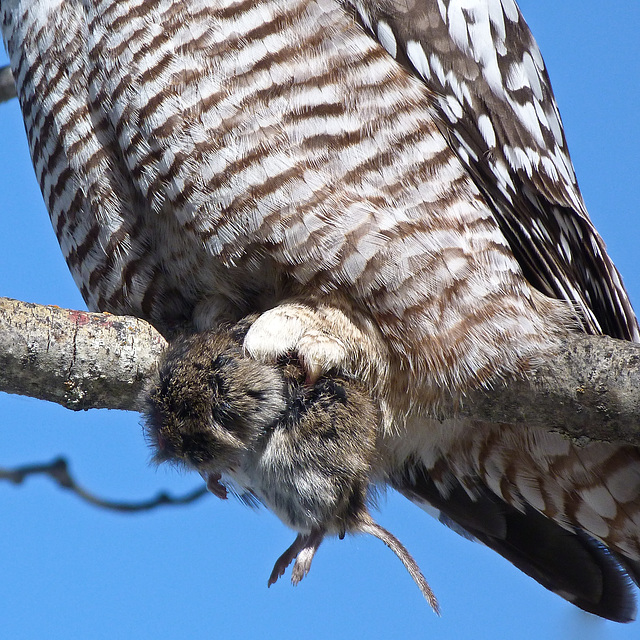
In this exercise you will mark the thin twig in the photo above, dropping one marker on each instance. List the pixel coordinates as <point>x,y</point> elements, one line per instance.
<point>58,470</point>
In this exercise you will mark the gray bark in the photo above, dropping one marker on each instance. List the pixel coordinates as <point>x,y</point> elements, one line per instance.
<point>7,85</point>
<point>591,389</point>
<point>77,359</point>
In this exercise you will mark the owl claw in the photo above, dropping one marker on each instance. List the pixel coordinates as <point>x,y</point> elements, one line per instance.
<point>296,328</point>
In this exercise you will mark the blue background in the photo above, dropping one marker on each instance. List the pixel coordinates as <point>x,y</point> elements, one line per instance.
<point>68,570</point>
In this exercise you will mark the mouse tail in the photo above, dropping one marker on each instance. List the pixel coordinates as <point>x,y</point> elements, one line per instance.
<point>370,526</point>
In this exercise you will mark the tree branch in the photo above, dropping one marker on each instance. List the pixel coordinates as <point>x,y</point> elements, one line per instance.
<point>7,85</point>
<point>77,359</point>
<point>590,389</point>
<point>58,470</point>
<point>90,360</point>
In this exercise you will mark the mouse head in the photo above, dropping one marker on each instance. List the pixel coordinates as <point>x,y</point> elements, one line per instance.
<point>209,404</point>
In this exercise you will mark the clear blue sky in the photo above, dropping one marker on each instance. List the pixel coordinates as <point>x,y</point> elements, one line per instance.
<point>71,571</point>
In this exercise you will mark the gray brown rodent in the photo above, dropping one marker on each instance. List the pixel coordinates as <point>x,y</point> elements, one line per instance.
<point>308,452</point>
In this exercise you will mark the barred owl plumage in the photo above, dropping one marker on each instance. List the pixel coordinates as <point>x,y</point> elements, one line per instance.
<point>389,185</point>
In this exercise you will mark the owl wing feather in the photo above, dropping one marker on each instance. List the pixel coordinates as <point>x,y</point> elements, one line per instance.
<point>570,563</point>
<point>499,114</point>
<point>498,111</point>
<point>566,515</point>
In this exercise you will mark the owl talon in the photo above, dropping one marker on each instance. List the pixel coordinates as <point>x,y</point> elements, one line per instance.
<point>298,329</point>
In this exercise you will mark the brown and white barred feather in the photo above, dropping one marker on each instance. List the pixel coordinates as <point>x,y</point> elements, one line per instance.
<point>205,159</point>
<point>499,114</point>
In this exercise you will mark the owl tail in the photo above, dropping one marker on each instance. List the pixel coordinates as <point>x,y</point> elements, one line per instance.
<point>565,560</point>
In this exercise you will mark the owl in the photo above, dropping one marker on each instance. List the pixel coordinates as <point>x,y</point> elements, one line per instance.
<point>387,186</point>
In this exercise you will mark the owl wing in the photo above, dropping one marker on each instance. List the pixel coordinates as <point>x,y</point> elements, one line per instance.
<point>566,515</point>
<point>499,114</point>
<point>568,562</point>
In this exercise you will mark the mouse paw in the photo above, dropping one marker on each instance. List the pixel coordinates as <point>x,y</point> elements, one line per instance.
<point>302,550</point>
